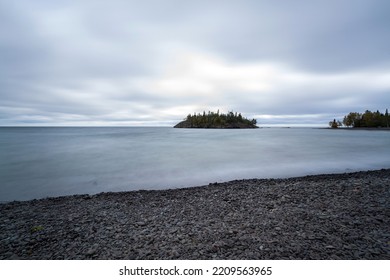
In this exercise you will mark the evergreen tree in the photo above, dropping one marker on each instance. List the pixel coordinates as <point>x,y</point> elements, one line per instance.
<point>335,124</point>
<point>218,120</point>
<point>367,119</point>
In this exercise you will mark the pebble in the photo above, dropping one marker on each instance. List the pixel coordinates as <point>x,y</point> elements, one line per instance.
<point>92,251</point>
<point>311,217</point>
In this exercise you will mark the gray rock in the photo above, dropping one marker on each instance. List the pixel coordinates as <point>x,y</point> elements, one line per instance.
<point>312,217</point>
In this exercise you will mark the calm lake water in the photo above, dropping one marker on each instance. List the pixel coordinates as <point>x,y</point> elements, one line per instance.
<point>42,162</point>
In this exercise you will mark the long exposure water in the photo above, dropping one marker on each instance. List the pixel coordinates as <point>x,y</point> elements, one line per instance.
<point>37,162</point>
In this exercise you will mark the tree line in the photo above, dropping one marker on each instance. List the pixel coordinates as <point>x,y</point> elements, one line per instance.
<point>217,119</point>
<point>366,119</point>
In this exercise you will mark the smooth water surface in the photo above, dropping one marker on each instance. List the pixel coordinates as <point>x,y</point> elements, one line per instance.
<point>40,162</point>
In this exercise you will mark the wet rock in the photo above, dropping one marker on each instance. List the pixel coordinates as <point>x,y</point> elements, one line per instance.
<point>342,216</point>
<point>93,250</point>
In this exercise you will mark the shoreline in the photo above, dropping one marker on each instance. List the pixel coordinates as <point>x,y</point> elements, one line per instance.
<point>360,128</point>
<point>190,186</point>
<point>328,216</point>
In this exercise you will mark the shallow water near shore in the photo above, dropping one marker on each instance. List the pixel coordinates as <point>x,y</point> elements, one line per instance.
<point>38,162</point>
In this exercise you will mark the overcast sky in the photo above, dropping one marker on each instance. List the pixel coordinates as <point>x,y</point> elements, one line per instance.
<point>153,62</point>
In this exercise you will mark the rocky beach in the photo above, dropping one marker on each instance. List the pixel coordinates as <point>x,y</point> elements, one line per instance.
<point>335,216</point>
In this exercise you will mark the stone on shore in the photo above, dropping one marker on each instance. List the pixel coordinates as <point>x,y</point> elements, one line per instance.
<point>344,216</point>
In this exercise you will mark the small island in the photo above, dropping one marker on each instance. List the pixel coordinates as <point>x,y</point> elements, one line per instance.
<point>216,120</point>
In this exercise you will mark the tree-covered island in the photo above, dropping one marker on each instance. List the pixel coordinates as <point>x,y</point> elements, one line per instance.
<point>216,120</point>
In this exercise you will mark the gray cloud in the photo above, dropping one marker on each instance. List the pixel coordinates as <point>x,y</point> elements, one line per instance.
<point>316,35</point>
<point>152,62</point>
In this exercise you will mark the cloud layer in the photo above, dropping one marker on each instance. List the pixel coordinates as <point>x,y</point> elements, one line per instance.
<point>153,62</point>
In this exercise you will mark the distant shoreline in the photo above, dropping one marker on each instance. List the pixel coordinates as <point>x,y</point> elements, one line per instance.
<point>360,128</point>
